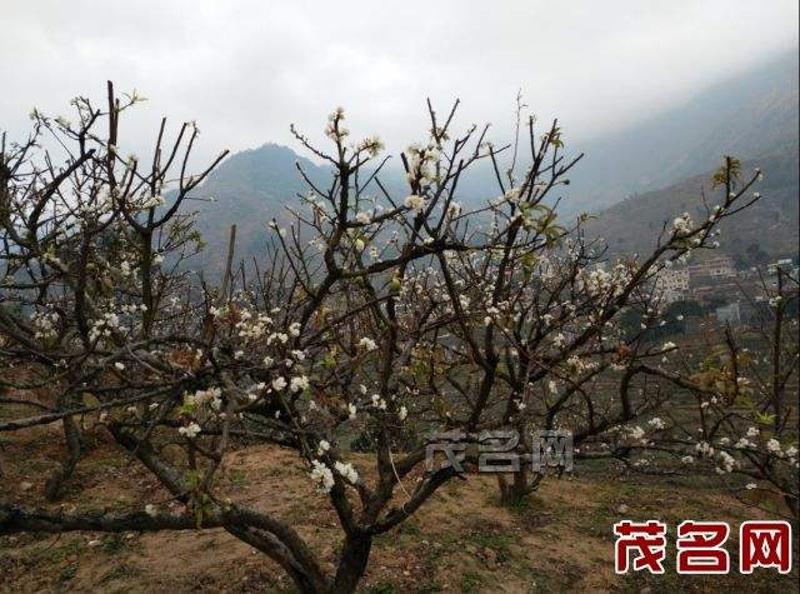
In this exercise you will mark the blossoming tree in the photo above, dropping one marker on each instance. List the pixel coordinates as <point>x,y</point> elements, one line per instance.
<point>396,313</point>
<point>745,400</point>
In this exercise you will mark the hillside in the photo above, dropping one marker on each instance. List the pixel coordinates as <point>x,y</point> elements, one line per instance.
<point>771,224</point>
<point>753,114</point>
<point>750,115</point>
<point>249,188</point>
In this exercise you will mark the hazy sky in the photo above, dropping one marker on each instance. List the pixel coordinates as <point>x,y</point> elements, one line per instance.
<point>246,70</point>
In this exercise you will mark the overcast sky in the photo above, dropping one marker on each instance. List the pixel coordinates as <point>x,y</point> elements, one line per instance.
<point>246,70</point>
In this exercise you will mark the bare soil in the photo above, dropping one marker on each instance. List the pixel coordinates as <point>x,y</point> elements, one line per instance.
<point>461,541</point>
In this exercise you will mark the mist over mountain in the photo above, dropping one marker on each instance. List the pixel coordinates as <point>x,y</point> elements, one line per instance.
<point>654,169</point>
<point>748,116</point>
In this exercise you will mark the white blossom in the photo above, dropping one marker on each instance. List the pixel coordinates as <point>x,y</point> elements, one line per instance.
<point>298,383</point>
<point>322,476</point>
<point>682,225</point>
<point>191,430</point>
<point>211,396</point>
<point>367,343</point>
<point>728,461</point>
<point>704,448</point>
<point>415,203</point>
<point>347,471</point>
<point>774,446</point>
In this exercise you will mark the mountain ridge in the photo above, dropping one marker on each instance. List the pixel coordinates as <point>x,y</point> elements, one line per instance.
<point>766,230</point>
<point>752,116</point>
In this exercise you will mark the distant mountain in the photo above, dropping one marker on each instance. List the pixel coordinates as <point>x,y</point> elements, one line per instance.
<point>750,115</point>
<point>249,189</point>
<point>753,114</point>
<point>766,230</point>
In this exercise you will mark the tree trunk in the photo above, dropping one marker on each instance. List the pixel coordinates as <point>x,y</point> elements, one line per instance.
<point>516,491</point>
<point>308,579</point>
<point>352,564</point>
<point>55,485</point>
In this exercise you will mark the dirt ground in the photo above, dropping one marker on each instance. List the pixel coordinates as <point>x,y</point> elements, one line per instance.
<point>461,541</point>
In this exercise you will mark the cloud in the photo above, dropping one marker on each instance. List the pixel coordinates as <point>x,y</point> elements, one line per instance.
<point>246,70</point>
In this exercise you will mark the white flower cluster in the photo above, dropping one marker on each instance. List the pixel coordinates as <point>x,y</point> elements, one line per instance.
<point>152,202</point>
<point>281,337</point>
<point>347,471</point>
<point>422,163</point>
<point>601,282</point>
<point>191,430</point>
<point>298,383</point>
<point>682,225</point>
<point>45,324</point>
<point>254,391</point>
<point>454,209</point>
<point>581,364</point>
<point>791,456</point>
<point>513,195</point>
<point>105,325</point>
<point>201,398</point>
<point>704,449</point>
<point>334,129</point>
<point>367,344</point>
<point>637,433</point>
<point>750,441</point>
<point>322,476</point>
<point>372,145</point>
<point>252,327</point>
<point>415,203</point>
<point>125,269</point>
<point>727,463</point>
<point>132,308</point>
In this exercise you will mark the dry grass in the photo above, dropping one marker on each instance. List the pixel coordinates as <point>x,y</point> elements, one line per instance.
<point>560,540</point>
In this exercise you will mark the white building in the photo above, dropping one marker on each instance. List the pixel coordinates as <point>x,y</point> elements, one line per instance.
<point>719,267</point>
<point>672,285</point>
